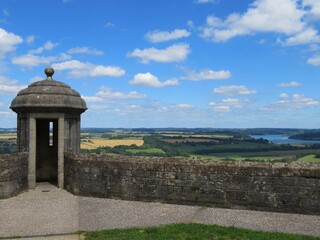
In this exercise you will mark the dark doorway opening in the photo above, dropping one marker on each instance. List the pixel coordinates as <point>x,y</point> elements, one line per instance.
<point>47,150</point>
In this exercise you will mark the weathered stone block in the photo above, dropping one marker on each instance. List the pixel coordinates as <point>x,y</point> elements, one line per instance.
<point>262,186</point>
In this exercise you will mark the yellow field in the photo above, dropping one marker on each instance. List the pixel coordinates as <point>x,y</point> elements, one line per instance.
<point>99,142</point>
<point>7,136</point>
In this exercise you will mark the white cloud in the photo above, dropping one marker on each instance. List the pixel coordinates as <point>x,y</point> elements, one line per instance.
<point>85,50</point>
<point>285,17</point>
<point>295,101</point>
<point>30,60</point>
<point>228,104</point>
<point>314,10</point>
<point>94,99</point>
<point>72,64</point>
<point>147,79</point>
<point>8,42</point>
<point>111,71</point>
<point>30,39</point>
<point>174,53</point>
<point>290,84</point>
<point>283,95</point>
<point>207,75</point>
<point>8,86</point>
<point>80,69</point>
<point>184,106</point>
<point>109,25</point>
<point>233,90</point>
<point>46,47</point>
<point>205,1</point>
<point>6,113</point>
<point>315,60</point>
<point>307,36</point>
<point>219,108</point>
<point>106,94</point>
<point>162,36</point>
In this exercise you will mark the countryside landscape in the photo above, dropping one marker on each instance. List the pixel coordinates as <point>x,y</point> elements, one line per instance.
<point>171,119</point>
<point>257,144</point>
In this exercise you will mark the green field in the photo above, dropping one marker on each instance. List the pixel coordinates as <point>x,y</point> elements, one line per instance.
<point>309,158</point>
<point>147,151</point>
<point>189,232</point>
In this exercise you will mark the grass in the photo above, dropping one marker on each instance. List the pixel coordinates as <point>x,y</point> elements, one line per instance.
<point>147,150</point>
<point>191,231</point>
<point>94,143</point>
<point>309,158</point>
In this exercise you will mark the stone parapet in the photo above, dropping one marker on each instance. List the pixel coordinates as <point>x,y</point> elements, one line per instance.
<point>13,173</point>
<point>279,187</point>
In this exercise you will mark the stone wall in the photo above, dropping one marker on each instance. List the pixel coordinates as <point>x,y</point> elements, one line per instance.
<point>13,173</point>
<point>242,185</point>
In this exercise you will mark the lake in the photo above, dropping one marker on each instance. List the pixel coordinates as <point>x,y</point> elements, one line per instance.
<point>282,139</point>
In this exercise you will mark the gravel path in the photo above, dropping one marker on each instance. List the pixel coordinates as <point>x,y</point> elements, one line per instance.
<point>47,210</point>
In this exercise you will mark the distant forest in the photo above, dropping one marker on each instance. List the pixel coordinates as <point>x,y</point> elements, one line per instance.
<point>310,135</point>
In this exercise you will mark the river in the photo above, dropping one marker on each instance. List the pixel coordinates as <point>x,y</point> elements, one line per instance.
<point>282,139</point>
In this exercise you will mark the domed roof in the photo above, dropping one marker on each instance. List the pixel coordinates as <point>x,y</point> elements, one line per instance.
<point>48,95</point>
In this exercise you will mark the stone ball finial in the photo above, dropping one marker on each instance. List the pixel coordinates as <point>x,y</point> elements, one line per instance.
<point>49,71</point>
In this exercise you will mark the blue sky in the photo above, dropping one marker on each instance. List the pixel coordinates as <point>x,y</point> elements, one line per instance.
<point>169,63</point>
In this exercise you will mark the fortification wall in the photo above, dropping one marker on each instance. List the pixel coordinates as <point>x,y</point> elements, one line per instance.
<point>13,173</point>
<point>242,185</point>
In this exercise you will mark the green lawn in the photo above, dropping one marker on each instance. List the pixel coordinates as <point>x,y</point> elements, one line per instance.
<point>309,158</point>
<point>191,232</point>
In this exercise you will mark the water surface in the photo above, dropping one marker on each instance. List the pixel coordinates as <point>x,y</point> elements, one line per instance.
<point>282,139</point>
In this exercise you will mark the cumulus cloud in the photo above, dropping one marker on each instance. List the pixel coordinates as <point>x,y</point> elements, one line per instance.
<point>286,17</point>
<point>85,50</point>
<point>31,60</point>
<point>109,94</point>
<point>233,90</point>
<point>106,94</point>
<point>162,36</point>
<point>8,42</point>
<point>315,60</point>
<point>79,69</point>
<point>8,86</point>
<point>283,95</point>
<point>228,104</point>
<point>184,106</point>
<point>147,79</point>
<point>290,84</point>
<point>46,47</point>
<point>314,8</point>
<point>174,53</point>
<point>307,36</point>
<point>93,99</point>
<point>295,101</point>
<point>207,74</point>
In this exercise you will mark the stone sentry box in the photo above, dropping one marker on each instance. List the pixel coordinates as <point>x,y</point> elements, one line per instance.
<point>48,123</point>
